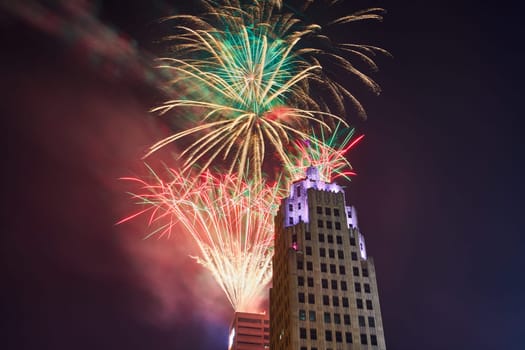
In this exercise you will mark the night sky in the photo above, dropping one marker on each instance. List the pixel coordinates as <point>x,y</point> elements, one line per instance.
<point>439,189</point>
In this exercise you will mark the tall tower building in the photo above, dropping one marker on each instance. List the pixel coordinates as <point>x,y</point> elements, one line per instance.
<point>324,291</point>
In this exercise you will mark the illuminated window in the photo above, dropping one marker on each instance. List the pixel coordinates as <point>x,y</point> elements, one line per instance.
<point>302,315</point>
<point>363,339</point>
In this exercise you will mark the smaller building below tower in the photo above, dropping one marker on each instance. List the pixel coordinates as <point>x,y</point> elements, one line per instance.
<point>249,331</point>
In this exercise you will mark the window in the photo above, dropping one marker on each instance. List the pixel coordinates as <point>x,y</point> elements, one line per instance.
<point>355,271</point>
<point>300,265</point>
<point>334,284</point>
<point>299,218</point>
<point>298,190</point>
<point>331,253</point>
<point>361,320</point>
<point>326,300</point>
<point>343,285</point>
<point>330,239</point>
<point>302,315</point>
<point>335,300</point>
<point>365,272</point>
<point>328,335</point>
<point>319,223</point>
<point>336,212</point>
<point>302,332</point>
<point>304,348</point>
<point>319,210</point>
<point>307,236</point>
<point>301,297</point>
<point>363,339</point>
<point>338,337</point>
<point>346,319</point>
<point>311,299</point>
<point>300,281</point>
<point>324,283</point>
<point>342,270</point>
<point>357,287</point>
<point>367,288</point>
<point>309,266</point>
<point>310,282</point>
<point>337,319</point>
<point>352,241</point>
<point>371,322</point>
<point>308,250</point>
<point>345,302</point>
<point>311,316</point>
<point>299,206</point>
<point>340,254</point>
<point>339,239</point>
<point>290,207</point>
<point>290,221</point>
<point>354,256</point>
<point>369,304</point>
<point>332,268</point>
<point>329,224</point>
<point>323,267</point>
<point>373,339</point>
<point>348,337</point>
<point>327,317</point>
<point>328,211</point>
<point>321,238</point>
<point>322,252</point>
<point>359,303</point>
<point>313,333</point>
<point>337,225</point>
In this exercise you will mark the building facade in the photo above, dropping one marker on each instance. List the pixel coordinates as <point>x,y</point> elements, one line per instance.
<point>324,291</point>
<point>249,331</point>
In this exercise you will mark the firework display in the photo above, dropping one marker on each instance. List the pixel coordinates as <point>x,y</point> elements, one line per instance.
<point>248,76</point>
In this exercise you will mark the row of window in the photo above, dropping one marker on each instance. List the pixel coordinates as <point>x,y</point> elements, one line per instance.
<point>335,300</point>
<point>333,268</point>
<point>331,253</point>
<point>321,237</point>
<point>336,318</point>
<point>320,224</point>
<point>338,336</point>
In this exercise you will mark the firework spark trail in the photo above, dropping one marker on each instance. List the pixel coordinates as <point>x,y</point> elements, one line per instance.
<point>232,226</point>
<point>254,65</point>
<point>326,152</point>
